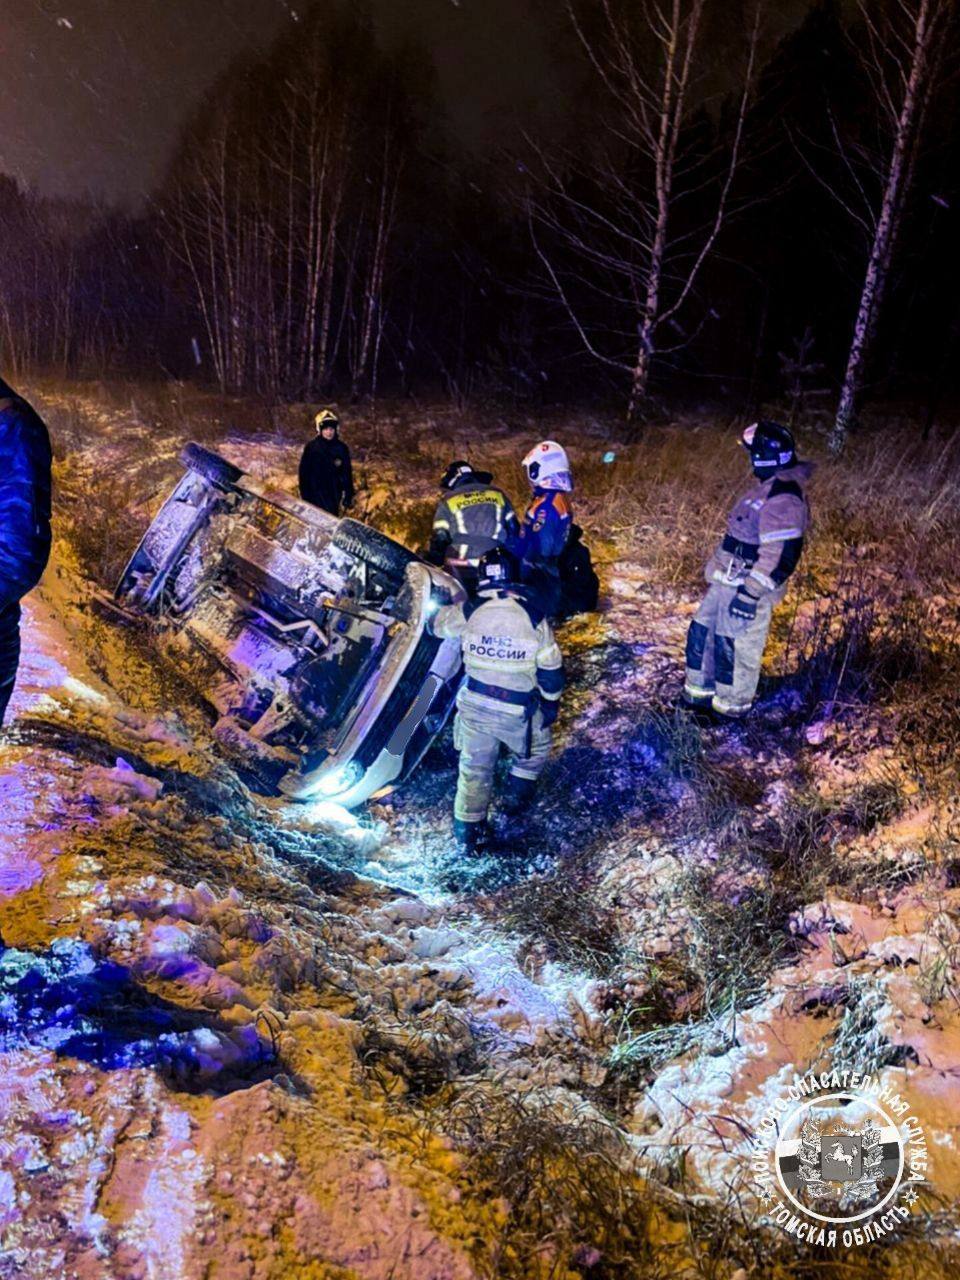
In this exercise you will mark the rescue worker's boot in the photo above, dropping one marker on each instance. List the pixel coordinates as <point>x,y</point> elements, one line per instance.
<point>517,794</point>
<point>717,716</point>
<point>700,709</point>
<point>469,836</point>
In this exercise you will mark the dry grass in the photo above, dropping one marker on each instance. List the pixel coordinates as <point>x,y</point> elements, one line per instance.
<point>560,1186</point>
<point>892,502</point>
<point>562,921</point>
<point>872,626</point>
<point>569,1197</point>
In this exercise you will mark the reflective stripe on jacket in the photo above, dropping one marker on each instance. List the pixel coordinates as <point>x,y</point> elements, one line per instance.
<point>472,520</point>
<point>765,533</point>
<point>507,645</point>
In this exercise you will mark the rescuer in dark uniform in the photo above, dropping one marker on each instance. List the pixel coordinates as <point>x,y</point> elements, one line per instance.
<point>472,518</point>
<point>24,522</point>
<point>326,473</point>
<point>546,524</point>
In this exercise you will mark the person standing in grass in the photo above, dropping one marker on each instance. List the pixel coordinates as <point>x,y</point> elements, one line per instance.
<point>747,576</point>
<point>510,697</point>
<point>326,469</point>
<point>546,523</point>
<point>472,518</point>
<point>25,483</point>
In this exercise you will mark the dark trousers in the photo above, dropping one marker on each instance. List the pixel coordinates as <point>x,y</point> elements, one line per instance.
<point>541,579</point>
<point>9,652</point>
<point>328,499</point>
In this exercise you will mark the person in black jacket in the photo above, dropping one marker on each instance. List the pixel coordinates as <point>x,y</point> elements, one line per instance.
<point>473,517</point>
<point>24,522</point>
<point>326,474</point>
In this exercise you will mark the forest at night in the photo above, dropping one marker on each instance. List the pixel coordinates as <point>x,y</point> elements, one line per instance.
<point>322,228</point>
<point>480,640</point>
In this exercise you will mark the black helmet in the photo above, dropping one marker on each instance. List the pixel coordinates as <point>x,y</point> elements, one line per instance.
<point>456,472</point>
<point>770,445</point>
<point>498,568</point>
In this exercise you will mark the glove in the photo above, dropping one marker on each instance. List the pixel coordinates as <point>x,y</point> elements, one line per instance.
<point>743,605</point>
<point>548,711</point>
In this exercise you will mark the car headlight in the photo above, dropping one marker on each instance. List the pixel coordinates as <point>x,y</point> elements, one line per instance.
<point>340,780</point>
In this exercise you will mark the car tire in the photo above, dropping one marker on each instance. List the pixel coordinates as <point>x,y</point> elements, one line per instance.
<point>210,465</point>
<point>379,550</point>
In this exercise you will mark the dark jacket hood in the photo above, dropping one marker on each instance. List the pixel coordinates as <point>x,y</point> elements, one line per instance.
<point>798,471</point>
<point>475,477</point>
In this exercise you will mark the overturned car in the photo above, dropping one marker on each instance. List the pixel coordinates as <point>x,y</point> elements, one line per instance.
<point>305,634</point>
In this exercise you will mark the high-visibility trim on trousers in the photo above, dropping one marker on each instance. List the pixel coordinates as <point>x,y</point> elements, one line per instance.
<point>479,733</point>
<point>724,653</point>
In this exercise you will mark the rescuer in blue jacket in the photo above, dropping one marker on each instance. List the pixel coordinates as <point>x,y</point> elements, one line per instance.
<point>24,522</point>
<point>546,524</point>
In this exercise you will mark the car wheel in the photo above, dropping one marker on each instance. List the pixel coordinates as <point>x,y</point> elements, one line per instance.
<point>210,465</point>
<point>376,548</point>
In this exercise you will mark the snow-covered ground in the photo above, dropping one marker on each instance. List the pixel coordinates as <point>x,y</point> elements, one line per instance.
<point>242,1040</point>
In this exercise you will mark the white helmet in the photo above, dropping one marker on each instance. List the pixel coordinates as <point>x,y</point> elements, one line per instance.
<point>548,467</point>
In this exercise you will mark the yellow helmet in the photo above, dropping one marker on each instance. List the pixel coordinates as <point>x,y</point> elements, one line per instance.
<point>326,418</point>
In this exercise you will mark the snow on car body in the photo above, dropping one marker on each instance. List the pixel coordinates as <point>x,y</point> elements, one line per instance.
<point>306,634</point>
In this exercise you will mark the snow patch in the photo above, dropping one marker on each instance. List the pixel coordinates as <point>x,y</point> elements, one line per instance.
<point>507,998</point>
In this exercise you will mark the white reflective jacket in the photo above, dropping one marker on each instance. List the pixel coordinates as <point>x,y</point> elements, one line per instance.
<point>507,646</point>
<point>764,536</point>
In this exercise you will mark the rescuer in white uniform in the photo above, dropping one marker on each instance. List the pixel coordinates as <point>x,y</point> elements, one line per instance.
<point>510,697</point>
<point>747,576</point>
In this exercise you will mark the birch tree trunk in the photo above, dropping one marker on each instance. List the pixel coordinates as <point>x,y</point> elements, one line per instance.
<point>915,70</point>
<point>611,213</point>
<point>671,112</point>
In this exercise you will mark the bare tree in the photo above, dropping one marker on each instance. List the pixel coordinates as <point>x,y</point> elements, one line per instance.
<point>607,225</point>
<point>280,210</point>
<point>54,312</point>
<point>369,256</point>
<point>902,53</point>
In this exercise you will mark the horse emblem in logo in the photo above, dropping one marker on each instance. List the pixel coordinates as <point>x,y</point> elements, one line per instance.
<point>845,1151</point>
<point>838,1160</point>
<point>841,1164</point>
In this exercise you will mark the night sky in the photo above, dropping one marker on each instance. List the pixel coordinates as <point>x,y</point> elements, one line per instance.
<point>93,91</point>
